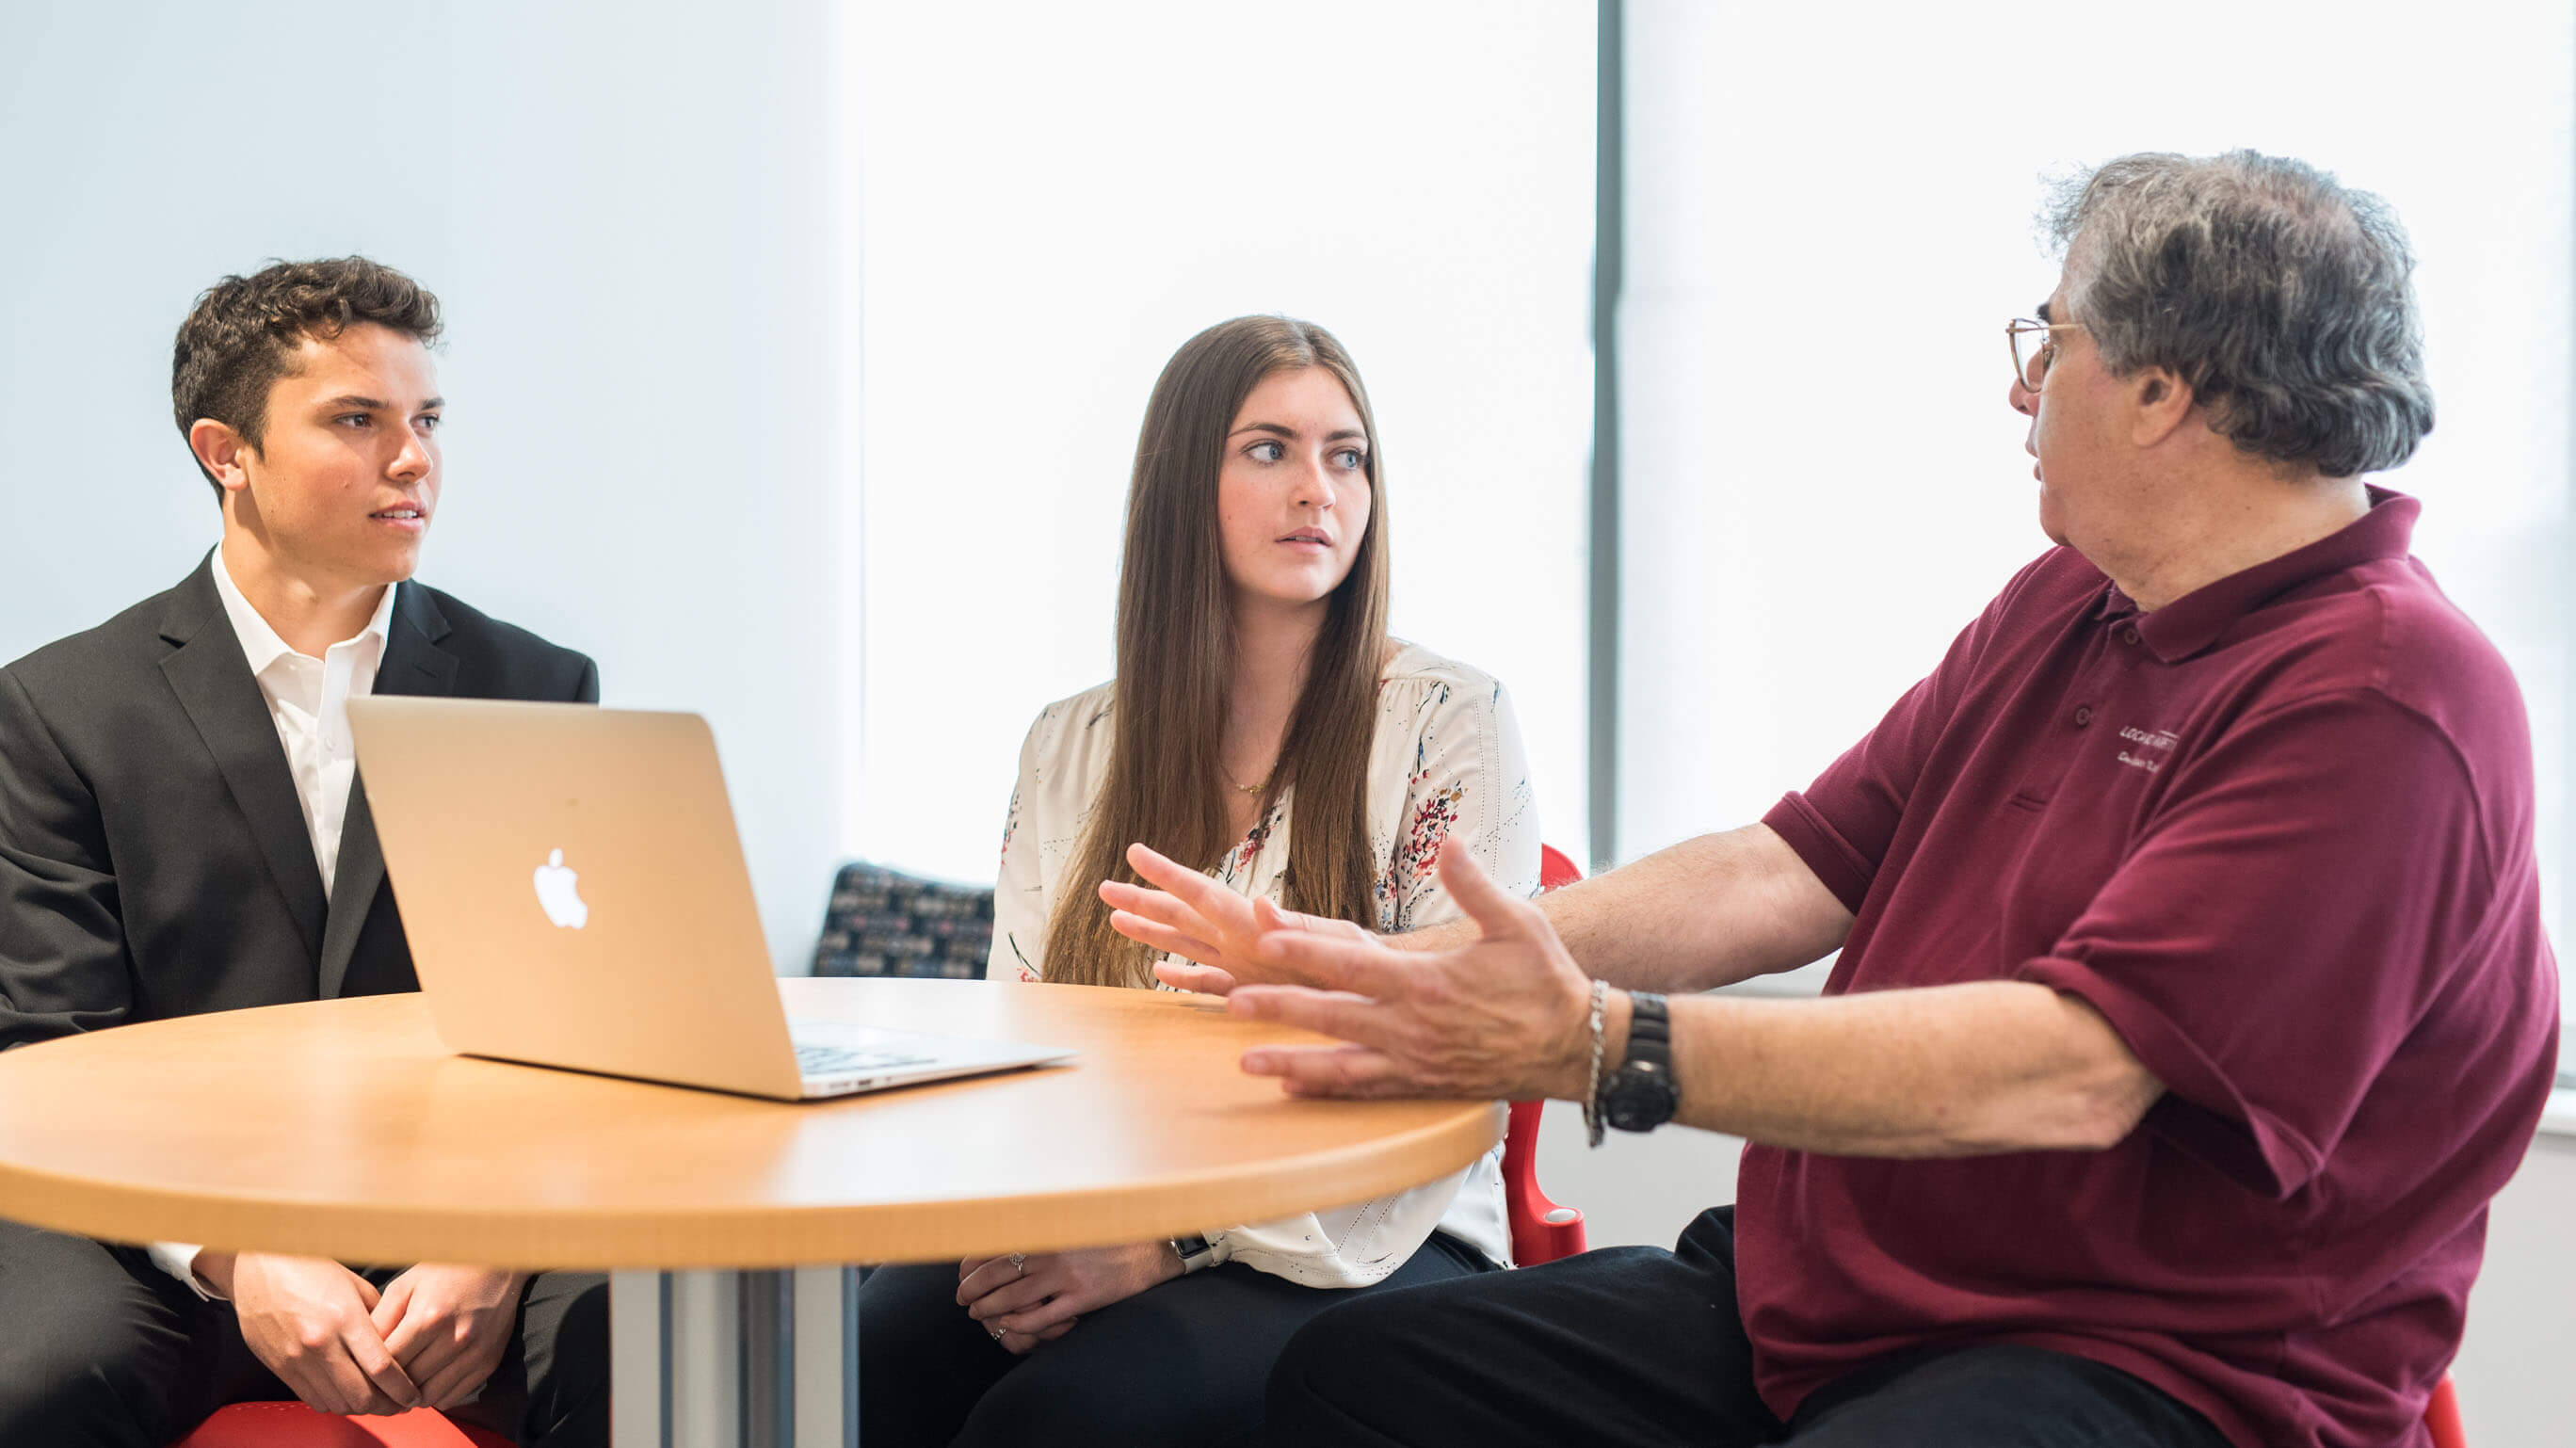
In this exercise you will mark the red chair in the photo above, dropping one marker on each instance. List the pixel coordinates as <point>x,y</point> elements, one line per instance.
<point>293,1425</point>
<point>1542,1231</point>
<point>2442,1416</point>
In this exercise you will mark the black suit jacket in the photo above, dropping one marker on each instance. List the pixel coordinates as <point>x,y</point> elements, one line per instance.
<point>153,857</point>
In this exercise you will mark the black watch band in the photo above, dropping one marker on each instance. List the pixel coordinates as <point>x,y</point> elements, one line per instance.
<point>1642,1094</point>
<point>1194,1251</point>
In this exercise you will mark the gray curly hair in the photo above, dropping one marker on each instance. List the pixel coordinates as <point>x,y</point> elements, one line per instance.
<point>2282,298</point>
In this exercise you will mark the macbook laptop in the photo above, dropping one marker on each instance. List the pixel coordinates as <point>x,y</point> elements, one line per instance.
<point>575,895</point>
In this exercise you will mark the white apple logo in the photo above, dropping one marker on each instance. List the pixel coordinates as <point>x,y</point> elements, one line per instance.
<point>559,895</point>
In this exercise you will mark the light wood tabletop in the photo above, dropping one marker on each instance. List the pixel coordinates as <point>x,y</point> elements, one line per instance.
<point>345,1129</point>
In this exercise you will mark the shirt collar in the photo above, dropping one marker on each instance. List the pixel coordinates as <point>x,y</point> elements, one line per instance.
<point>2196,620</point>
<point>261,646</point>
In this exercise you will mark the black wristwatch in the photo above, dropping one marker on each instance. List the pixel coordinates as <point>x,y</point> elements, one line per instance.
<point>1641,1095</point>
<point>1194,1251</point>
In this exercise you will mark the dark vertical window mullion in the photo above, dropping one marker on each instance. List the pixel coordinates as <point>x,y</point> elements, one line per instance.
<point>1609,190</point>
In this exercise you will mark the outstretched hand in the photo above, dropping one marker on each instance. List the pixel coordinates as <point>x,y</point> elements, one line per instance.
<point>1506,1015</point>
<point>1232,938</point>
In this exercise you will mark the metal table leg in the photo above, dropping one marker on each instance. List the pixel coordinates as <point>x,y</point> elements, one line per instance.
<point>735,1359</point>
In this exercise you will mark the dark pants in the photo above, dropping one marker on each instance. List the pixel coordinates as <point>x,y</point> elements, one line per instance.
<point>100,1347</point>
<point>1180,1363</point>
<point>1637,1346</point>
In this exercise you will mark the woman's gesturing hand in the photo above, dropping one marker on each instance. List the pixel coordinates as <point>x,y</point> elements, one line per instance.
<point>1505,1015</point>
<point>1198,919</point>
<point>1024,1300</point>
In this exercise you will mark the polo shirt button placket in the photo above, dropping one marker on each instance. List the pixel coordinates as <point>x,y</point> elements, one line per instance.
<point>2129,635</point>
<point>2083,715</point>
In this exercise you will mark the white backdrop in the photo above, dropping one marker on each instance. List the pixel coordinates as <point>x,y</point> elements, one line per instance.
<point>664,238</point>
<point>1831,215</point>
<point>1056,197</point>
<point>628,212</point>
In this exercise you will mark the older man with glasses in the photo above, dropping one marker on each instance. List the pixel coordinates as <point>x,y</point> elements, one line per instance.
<point>2192,1000</point>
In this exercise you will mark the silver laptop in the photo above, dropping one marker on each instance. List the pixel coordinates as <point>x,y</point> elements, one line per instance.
<point>575,895</point>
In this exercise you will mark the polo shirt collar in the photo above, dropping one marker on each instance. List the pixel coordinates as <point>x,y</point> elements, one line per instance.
<point>2196,620</point>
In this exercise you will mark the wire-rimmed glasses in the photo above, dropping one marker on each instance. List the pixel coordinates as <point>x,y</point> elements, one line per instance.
<point>2034,346</point>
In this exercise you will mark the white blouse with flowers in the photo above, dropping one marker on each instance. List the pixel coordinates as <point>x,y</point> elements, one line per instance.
<point>1446,759</point>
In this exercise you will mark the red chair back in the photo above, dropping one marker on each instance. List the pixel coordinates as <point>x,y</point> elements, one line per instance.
<point>1555,871</point>
<point>1542,1231</point>
<point>2442,1416</point>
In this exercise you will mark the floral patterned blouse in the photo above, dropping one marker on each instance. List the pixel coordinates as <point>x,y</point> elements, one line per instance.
<point>1446,759</point>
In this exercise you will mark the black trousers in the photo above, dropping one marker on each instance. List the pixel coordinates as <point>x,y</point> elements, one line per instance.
<point>98,1346</point>
<point>1637,1346</point>
<point>1181,1363</point>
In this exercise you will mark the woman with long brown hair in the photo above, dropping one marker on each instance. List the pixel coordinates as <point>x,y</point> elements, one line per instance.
<point>1264,728</point>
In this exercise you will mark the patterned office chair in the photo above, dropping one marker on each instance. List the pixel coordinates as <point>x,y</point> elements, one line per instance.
<point>883,922</point>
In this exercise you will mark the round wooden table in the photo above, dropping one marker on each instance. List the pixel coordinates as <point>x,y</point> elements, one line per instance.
<point>345,1129</point>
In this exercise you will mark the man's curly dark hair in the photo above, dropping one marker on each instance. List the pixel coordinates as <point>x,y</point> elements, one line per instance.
<point>242,334</point>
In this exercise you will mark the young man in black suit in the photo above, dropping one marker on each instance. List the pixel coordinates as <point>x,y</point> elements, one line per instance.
<point>182,830</point>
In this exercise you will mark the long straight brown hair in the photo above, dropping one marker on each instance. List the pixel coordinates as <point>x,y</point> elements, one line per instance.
<point>1165,785</point>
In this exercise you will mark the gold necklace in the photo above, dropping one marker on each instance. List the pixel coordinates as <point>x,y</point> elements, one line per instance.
<point>1252,789</point>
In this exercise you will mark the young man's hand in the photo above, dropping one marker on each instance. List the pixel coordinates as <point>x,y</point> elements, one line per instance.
<point>308,1319</point>
<point>448,1326</point>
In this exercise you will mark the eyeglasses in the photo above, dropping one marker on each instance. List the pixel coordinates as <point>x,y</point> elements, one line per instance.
<point>2034,346</point>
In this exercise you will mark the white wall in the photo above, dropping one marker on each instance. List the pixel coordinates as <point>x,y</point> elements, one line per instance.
<point>2515,1387</point>
<point>628,211</point>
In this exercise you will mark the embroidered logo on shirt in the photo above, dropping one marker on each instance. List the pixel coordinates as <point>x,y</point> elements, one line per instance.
<point>2161,741</point>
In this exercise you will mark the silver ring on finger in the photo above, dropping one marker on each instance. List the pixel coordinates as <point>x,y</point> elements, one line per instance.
<point>994,1330</point>
<point>1020,1264</point>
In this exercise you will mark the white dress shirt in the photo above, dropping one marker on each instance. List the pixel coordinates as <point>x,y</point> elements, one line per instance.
<point>1445,759</point>
<point>308,701</point>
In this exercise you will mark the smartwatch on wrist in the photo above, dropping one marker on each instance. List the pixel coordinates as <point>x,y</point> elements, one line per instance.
<point>1642,1095</point>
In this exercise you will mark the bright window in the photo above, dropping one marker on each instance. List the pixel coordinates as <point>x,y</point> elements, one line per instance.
<point>1052,202</point>
<point>1830,216</point>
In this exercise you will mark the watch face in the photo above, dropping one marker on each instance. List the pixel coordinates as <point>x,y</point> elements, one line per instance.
<point>1639,1100</point>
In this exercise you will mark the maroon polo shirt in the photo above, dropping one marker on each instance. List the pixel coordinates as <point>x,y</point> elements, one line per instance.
<point>2279,833</point>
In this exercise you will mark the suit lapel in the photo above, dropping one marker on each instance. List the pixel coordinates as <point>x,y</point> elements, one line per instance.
<point>413,664</point>
<point>212,679</point>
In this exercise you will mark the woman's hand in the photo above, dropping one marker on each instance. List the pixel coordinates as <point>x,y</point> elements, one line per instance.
<point>1505,1015</point>
<point>1019,1344</point>
<point>1026,1300</point>
<point>1196,918</point>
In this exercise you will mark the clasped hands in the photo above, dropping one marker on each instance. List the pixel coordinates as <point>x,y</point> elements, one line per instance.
<point>430,1339</point>
<point>1501,1011</point>
<point>1024,1299</point>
